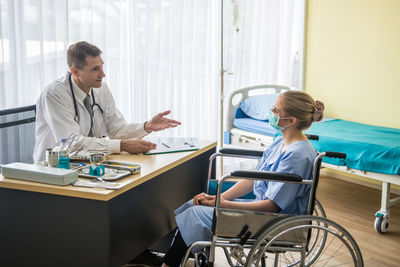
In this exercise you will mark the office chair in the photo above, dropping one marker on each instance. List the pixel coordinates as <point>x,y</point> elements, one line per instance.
<point>17,134</point>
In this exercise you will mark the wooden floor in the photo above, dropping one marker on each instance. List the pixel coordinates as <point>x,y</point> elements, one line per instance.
<point>354,206</point>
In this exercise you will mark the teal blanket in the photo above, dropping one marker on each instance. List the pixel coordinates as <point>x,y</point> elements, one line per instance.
<point>368,148</point>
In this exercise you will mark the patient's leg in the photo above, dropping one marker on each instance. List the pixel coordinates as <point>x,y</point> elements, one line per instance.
<point>176,252</point>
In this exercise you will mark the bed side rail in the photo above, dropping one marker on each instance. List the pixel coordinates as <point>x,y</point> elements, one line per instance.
<point>244,92</point>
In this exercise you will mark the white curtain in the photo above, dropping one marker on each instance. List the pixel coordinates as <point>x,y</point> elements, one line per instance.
<point>159,54</point>
<point>263,43</point>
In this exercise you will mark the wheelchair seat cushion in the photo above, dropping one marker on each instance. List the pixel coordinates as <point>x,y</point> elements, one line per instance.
<point>229,223</point>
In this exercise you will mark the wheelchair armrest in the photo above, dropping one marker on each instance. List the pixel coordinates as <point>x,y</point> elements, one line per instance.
<point>241,152</point>
<point>266,175</point>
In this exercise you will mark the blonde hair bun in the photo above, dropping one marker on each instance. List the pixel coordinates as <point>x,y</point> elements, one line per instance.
<point>302,106</point>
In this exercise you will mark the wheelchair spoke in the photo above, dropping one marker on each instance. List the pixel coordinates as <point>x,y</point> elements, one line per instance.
<point>332,246</point>
<point>288,259</point>
<point>336,251</point>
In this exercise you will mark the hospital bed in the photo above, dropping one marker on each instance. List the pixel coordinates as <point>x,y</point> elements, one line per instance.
<point>372,151</point>
<point>253,238</point>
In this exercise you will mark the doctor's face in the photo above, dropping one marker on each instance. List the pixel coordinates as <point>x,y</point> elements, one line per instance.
<point>91,75</point>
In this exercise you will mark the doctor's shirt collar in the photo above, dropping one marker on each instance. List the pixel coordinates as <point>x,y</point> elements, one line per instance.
<point>80,95</point>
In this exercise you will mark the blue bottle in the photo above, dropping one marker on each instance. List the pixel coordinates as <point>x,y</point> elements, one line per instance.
<point>63,159</point>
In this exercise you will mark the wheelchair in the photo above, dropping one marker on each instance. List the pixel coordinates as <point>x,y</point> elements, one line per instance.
<point>252,238</point>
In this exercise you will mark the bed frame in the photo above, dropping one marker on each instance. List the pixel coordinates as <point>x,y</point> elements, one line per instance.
<point>242,138</point>
<point>238,137</point>
<point>382,216</point>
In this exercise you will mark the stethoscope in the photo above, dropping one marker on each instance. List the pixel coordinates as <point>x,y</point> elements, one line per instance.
<point>76,118</point>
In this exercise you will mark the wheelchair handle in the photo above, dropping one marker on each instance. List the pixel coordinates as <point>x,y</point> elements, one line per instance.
<point>242,152</point>
<point>338,155</point>
<point>312,137</point>
<point>276,176</point>
<point>231,152</point>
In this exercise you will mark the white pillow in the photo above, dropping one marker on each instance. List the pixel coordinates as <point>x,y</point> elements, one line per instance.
<point>258,107</point>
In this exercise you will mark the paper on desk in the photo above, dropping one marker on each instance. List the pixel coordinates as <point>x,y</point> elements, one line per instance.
<point>98,184</point>
<point>173,144</point>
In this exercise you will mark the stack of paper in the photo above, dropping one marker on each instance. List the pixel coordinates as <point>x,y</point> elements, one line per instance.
<point>173,144</point>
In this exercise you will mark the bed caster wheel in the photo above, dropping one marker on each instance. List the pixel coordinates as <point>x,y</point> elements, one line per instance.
<point>381,222</point>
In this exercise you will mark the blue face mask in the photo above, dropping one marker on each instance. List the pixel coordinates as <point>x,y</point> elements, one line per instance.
<point>273,120</point>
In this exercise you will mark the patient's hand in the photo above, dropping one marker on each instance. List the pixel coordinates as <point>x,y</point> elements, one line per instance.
<point>198,198</point>
<point>207,200</point>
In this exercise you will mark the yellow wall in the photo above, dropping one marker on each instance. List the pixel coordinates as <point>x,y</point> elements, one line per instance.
<point>353,59</point>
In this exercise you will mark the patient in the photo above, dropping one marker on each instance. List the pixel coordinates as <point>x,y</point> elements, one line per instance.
<point>294,111</point>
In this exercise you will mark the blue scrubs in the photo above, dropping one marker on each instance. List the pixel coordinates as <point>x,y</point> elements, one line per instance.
<point>195,222</point>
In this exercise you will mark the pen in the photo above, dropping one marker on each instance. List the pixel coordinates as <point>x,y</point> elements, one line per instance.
<point>123,165</point>
<point>165,145</point>
<point>188,144</point>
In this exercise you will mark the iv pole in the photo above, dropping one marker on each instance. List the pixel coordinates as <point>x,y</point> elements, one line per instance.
<point>221,92</point>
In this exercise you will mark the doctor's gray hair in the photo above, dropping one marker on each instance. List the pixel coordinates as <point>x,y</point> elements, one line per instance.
<point>302,106</point>
<point>77,53</point>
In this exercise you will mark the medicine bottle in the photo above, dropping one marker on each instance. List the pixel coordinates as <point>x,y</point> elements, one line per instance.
<point>63,159</point>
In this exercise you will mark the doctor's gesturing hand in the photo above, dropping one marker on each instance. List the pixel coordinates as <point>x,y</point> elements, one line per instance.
<point>159,122</point>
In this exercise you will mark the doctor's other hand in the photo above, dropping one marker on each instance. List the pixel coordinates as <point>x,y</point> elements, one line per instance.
<point>159,122</point>
<point>137,145</point>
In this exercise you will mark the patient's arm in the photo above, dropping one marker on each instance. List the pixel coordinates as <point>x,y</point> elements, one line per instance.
<point>240,189</point>
<point>267,205</point>
<point>258,205</point>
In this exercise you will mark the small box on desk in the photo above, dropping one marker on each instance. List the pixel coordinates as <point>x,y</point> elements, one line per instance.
<point>40,174</point>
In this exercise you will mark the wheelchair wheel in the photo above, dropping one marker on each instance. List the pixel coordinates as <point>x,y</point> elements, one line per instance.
<point>280,247</point>
<point>318,209</point>
<point>317,237</point>
<point>201,259</point>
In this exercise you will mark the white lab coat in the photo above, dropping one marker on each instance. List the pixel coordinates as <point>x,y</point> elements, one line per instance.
<point>55,114</point>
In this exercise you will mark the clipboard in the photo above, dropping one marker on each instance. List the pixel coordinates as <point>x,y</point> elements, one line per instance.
<point>173,145</point>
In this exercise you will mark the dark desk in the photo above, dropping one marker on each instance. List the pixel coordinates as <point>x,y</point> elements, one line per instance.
<point>46,225</point>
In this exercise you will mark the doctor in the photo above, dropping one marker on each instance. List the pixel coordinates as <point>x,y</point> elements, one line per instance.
<point>81,103</point>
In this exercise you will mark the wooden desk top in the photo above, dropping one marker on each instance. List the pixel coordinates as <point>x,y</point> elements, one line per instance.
<point>151,166</point>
